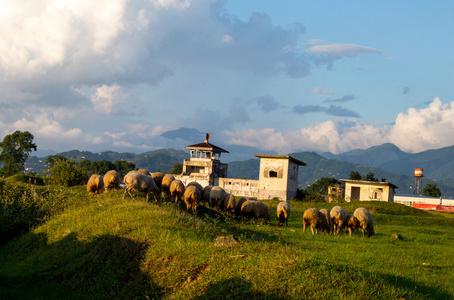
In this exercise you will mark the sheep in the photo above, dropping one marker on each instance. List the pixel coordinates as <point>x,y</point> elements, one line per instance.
<point>144,172</point>
<point>177,189</point>
<point>165,184</point>
<point>365,221</point>
<point>157,177</point>
<point>111,180</point>
<point>351,223</point>
<point>256,209</point>
<point>316,219</point>
<point>283,212</point>
<point>338,216</point>
<point>196,184</point>
<point>326,212</point>
<point>95,184</point>
<point>227,204</point>
<point>191,197</point>
<point>216,194</point>
<point>239,203</point>
<point>206,193</point>
<point>141,183</point>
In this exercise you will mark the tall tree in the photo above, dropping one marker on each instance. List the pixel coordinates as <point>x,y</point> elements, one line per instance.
<point>431,190</point>
<point>16,148</point>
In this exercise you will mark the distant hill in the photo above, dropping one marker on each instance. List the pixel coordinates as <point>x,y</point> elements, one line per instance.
<point>385,161</point>
<point>438,164</point>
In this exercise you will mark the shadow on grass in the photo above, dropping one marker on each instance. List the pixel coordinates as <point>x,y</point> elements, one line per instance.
<point>235,288</point>
<point>109,267</point>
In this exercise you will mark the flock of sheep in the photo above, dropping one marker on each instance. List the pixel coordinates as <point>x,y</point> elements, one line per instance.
<point>193,194</point>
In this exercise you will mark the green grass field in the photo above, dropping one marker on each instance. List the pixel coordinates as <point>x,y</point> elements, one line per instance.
<point>108,248</point>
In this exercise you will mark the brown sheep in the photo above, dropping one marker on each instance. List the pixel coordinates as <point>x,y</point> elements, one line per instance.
<point>141,183</point>
<point>217,194</point>
<point>177,189</point>
<point>165,184</point>
<point>283,212</point>
<point>191,197</point>
<point>326,212</point>
<point>95,184</point>
<point>111,180</point>
<point>316,220</point>
<point>144,172</point>
<point>227,204</point>
<point>239,203</point>
<point>157,177</point>
<point>351,224</point>
<point>365,221</point>
<point>206,193</point>
<point>255,209</point>
<point>339,217</point>
<point>196,184</point>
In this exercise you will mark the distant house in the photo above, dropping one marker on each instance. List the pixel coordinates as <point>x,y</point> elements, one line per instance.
<point>369,190</point>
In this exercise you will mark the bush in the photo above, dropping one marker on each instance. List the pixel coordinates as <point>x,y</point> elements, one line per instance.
<point>37,180</point>
<point>67,173</point>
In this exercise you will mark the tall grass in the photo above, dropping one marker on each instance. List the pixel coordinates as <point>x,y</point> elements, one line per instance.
<point>113,248</point>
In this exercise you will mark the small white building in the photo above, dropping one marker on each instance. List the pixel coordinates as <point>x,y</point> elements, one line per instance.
<point>369,190</point>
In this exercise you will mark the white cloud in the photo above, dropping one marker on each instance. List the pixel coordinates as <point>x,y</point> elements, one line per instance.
<point>416,131</point>
<point>109,99</point>
<point>322,92</point>
<point>338,49</point>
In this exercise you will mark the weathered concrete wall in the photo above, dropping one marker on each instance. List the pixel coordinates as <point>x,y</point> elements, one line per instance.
<point>240,187</point>
<point>368,192</point>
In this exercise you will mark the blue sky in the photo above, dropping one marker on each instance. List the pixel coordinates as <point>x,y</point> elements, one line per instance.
<point>282,76</point>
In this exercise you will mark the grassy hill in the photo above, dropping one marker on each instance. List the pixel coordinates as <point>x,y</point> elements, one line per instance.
<point>105,247</point>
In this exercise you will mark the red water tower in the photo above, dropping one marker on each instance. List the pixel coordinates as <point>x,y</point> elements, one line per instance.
<point>418,181</point>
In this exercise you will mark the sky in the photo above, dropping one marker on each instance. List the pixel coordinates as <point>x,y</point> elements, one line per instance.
<point>281,76</point>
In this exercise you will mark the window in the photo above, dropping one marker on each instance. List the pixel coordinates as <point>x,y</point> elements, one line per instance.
<point>273,174</point>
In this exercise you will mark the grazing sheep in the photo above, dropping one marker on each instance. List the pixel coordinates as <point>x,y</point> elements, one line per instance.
<point>165,184</point>
<point>351,224</point>
<point>365,221</point>
<point>216,194</point>
<point>239,203</point>
<point>283,212</point>
<point>141,183</point>
<point>111,180</point>
<point>338,216</point>
<point>157,177</point>
<point>326,212</point>
<point>191,197</point>
<point>256,209</point>
<point>206,194</point>
<point>95,184</point>
<point>144,172</point>
<point>227,204</point>
<point>177,189</point>
<point>316,219</point>
<point>196,184</point>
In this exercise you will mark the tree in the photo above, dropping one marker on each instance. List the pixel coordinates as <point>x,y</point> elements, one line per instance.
<point>123,167</point>
<point>355,175</point>
<point>177,169</point>
<point>16,148</point>
<point>431,190</point>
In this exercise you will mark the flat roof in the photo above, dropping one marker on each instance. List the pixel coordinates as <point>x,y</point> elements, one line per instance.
<point>297,161</point>
<point>369,182</point>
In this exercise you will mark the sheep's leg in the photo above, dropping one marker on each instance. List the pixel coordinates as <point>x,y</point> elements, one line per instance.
<point>363,231</point>
<point>312,229</point>
<point>304,228</point>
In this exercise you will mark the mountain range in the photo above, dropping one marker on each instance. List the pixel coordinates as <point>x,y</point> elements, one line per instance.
<point>386,161</point>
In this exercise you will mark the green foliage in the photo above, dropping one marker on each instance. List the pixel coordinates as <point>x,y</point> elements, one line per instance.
<point>123,167</point>
<point>16,148</point>
<point>177,169</point>
<point>97,167</point>
<point>355,175</point>
<point>431,190</point>
<point>67,173</point>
